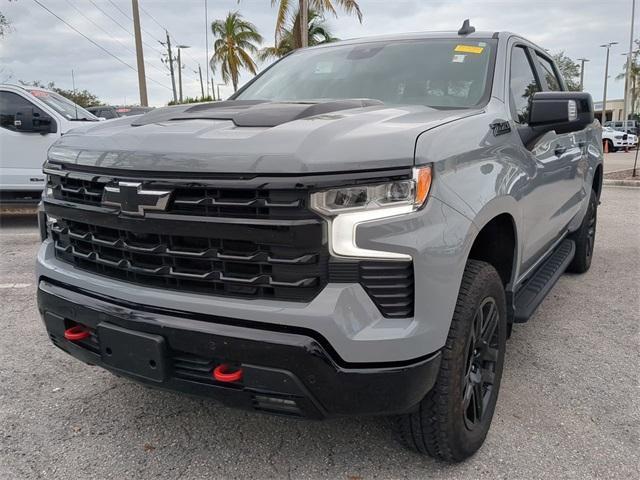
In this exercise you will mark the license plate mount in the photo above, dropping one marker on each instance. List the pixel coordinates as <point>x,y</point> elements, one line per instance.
<point>136,353</point>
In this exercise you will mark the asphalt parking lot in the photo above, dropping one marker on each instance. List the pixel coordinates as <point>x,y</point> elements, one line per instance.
<point>620,160</point>
<point>568,406</point>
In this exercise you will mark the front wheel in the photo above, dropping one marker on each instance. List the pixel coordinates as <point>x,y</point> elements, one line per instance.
<point>453,419</point>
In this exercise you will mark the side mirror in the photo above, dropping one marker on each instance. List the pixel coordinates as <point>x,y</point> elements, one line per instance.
<point>31,120</point>
<point>563,112</point>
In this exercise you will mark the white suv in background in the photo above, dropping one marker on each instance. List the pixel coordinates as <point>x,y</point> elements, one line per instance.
<point>617,140</point>
<point>31,119</point>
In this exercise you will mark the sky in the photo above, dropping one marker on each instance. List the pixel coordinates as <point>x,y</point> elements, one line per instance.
<point>41,47</point>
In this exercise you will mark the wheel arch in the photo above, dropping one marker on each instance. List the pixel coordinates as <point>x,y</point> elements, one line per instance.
<point>597,180</point>
<point>496,242</point>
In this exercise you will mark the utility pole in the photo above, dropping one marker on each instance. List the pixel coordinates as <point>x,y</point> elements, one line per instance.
<point>304,23</point>
<point>606,76</point>
<point>180,47</point>
<point>73,84</point>
<point>206,42</point>
<point>173,78</point>
<point>628,70</point>
<point>180,74</point>
<point>201,84</point>
<point>142,79</point>
<point>582,60</point>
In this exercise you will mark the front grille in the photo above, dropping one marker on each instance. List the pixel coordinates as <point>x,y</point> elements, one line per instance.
<point>204,264</point>
<point>242,236</point>
<point>192,198</point>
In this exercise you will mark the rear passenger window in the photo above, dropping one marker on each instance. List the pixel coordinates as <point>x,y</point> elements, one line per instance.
<point>523,84</point>
<point>553,83</point>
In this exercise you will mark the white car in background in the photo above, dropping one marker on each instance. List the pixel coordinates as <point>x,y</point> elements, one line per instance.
<point>617,140</point>
<point>31,119</point>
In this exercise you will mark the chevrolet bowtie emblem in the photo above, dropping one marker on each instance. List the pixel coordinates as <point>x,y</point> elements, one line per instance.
<point>132,199</point>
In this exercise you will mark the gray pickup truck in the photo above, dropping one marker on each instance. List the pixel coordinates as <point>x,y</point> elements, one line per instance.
<point>354,232</point>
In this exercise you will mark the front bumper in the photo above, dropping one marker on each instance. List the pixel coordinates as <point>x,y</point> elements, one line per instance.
<point>286,370</point>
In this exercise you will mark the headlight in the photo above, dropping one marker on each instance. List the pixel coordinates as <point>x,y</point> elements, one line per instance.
<point>618,137</point>
<point>346,208</point>
<point>62,154</point>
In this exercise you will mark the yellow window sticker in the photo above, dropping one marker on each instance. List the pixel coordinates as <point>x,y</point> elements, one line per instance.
<point>468,49</point>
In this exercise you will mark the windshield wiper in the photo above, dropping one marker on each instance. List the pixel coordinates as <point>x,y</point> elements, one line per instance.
<point>83,119</point>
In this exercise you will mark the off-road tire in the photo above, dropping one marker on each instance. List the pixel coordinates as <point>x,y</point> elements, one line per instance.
<point>439,426</point>
<point>585,238</point>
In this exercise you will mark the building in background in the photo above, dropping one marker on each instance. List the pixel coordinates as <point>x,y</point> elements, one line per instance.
<point>614,110</point>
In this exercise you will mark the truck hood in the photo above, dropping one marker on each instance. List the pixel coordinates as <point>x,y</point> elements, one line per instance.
<point>258,137</point>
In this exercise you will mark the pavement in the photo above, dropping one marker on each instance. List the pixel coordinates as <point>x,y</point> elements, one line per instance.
<point>619,160</point>
<point>568,405</point>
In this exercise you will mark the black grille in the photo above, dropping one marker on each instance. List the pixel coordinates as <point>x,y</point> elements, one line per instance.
<point>193,198</point>
<point>389,283</point>
<point>255,267</point>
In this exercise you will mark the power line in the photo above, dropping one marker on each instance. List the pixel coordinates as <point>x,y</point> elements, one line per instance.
<point>164,29</point>
<point>95,43</point>
<point>125,14</point>
<point>121,26</point>
<point>112,37</point>
<point>152,17</point>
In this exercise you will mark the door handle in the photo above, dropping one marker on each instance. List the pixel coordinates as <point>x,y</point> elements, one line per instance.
<point>559,150</point>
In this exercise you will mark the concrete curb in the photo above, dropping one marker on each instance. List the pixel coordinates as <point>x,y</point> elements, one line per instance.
<point>621,183</point>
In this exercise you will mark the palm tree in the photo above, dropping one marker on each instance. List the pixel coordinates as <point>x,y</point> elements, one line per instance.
<point>236,41</point>
<point>318,33</point>
<point>320,6</point>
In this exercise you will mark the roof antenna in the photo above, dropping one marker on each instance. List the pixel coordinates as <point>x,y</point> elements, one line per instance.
<point>466,28</point>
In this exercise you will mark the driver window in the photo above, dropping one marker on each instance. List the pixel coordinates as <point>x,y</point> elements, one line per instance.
<point>10,103</point>
<point>523,85</point>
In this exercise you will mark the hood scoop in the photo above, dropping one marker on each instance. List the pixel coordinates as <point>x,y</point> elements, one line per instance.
<point>252,113</point>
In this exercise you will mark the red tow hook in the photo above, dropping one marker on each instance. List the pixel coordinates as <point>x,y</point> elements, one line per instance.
<point>226,373</point>
<point>76,333</point>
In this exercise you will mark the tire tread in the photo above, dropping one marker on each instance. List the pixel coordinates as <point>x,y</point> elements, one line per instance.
<point>428,430</point>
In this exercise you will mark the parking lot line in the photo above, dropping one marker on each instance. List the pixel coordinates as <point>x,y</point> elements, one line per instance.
<point>14,285</point>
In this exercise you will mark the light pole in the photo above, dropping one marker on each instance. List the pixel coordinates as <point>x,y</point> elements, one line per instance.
<point>582,61</point>
<point>628,70</point>
<point>180,70</point>
<point>218,85</point>
<point>606,75</point>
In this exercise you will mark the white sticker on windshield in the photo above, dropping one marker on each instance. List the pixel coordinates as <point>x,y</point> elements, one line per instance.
<point>458,58</point>
<point>323,68</point>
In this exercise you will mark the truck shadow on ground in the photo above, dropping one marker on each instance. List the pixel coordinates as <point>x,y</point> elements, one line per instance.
<point>183,430</point>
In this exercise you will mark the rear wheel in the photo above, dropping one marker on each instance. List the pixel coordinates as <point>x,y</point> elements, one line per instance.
<point>585,238</point>
<point>453,419</point>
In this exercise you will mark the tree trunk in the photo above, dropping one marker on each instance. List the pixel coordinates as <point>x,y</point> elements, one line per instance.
<point>304,23</point>
<point>297,42</point>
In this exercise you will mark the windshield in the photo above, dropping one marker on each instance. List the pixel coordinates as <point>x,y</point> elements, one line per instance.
<point>440,73</point>
<point>63,106</point>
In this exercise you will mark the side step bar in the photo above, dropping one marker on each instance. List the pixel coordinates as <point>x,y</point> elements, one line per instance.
<point>533,291</point>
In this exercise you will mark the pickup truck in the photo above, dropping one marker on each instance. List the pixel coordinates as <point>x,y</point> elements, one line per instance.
<point>355,232</point>
<point>31,119</point>
<point>617,140</point>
